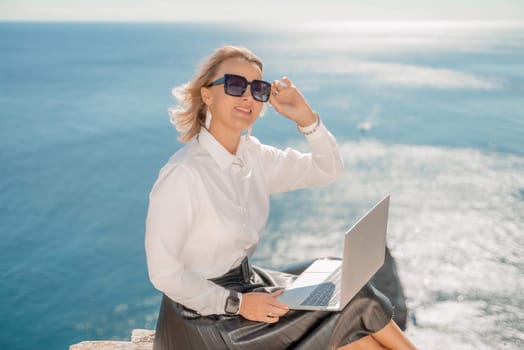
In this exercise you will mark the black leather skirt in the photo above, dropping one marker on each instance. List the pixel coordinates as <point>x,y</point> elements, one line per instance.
<point>179,328</point>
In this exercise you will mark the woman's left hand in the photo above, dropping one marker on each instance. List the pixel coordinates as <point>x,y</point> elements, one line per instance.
<point>289,101</point>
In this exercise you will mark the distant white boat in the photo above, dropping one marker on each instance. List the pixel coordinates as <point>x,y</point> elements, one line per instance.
<point>365,126</point>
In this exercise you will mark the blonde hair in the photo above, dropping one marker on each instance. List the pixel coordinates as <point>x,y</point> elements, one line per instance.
<point>190,113</point>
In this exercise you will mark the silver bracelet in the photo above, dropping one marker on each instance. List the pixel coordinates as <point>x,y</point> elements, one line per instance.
<point>314,129</point>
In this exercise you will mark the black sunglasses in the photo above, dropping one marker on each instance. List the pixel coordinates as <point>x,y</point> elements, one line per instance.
<point>236,85</point>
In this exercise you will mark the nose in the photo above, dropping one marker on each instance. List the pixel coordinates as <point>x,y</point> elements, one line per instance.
<point>247,93</point>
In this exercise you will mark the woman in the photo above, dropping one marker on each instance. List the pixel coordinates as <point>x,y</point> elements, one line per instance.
<point>208,209</point>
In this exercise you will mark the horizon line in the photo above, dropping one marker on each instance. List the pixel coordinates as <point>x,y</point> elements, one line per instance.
<point>240,21</point>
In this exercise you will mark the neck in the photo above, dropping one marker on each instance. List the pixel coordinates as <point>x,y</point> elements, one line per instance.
<point>229,139</point>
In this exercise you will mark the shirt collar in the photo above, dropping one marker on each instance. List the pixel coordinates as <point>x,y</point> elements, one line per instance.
<point>221,156</point>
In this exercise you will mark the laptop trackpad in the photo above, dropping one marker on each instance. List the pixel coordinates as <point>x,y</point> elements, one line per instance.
<point>308,281</point>
<point>302,287</point>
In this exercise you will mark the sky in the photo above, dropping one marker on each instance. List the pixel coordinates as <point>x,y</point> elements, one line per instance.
<point>265,11</point>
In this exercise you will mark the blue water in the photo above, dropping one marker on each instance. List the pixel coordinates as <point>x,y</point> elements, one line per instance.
<point>431,113</point>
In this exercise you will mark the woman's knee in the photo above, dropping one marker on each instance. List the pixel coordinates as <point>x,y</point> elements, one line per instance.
<point>365,343</point>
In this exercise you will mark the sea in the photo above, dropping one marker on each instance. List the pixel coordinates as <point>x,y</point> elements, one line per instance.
<point>429,112</point>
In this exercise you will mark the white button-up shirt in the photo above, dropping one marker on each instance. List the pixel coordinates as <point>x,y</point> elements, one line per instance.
<point>208,209</point>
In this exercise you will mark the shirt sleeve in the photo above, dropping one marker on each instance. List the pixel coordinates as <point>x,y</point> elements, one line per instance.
<point>289,169</point>
<point>172,210</point>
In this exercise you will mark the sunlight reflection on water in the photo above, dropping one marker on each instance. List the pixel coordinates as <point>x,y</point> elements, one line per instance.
<point>455,230</point>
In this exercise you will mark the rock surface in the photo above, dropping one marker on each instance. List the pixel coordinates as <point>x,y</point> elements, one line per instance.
<point>141,339</point>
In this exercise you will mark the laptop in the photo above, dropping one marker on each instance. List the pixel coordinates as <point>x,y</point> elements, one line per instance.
<point>330,284</point>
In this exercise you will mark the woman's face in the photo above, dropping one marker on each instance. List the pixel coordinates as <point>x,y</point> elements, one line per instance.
<point>230,113</point>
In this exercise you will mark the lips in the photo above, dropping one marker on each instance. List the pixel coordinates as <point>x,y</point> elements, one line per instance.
<point>243,109</point>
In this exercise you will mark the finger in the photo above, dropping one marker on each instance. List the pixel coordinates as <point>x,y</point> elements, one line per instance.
<point>279,305</point>
<point>269,319</point>
<point>275,311</point>
<point>287,81</point>
<point>275,88</point>
<point>277,85</point>
<point>277,293</point>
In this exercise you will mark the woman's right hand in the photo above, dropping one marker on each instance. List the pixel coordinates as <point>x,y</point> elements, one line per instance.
<point>262,307</point>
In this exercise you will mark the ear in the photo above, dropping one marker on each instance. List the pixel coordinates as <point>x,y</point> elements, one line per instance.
<point>205,95</point>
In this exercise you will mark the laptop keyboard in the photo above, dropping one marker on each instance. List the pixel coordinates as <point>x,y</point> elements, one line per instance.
<point>327,293</point>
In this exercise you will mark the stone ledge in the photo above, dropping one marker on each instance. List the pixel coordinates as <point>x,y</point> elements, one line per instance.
<point>141,339</point>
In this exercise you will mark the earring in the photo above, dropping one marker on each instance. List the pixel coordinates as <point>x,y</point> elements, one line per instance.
<point>207,123</point>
